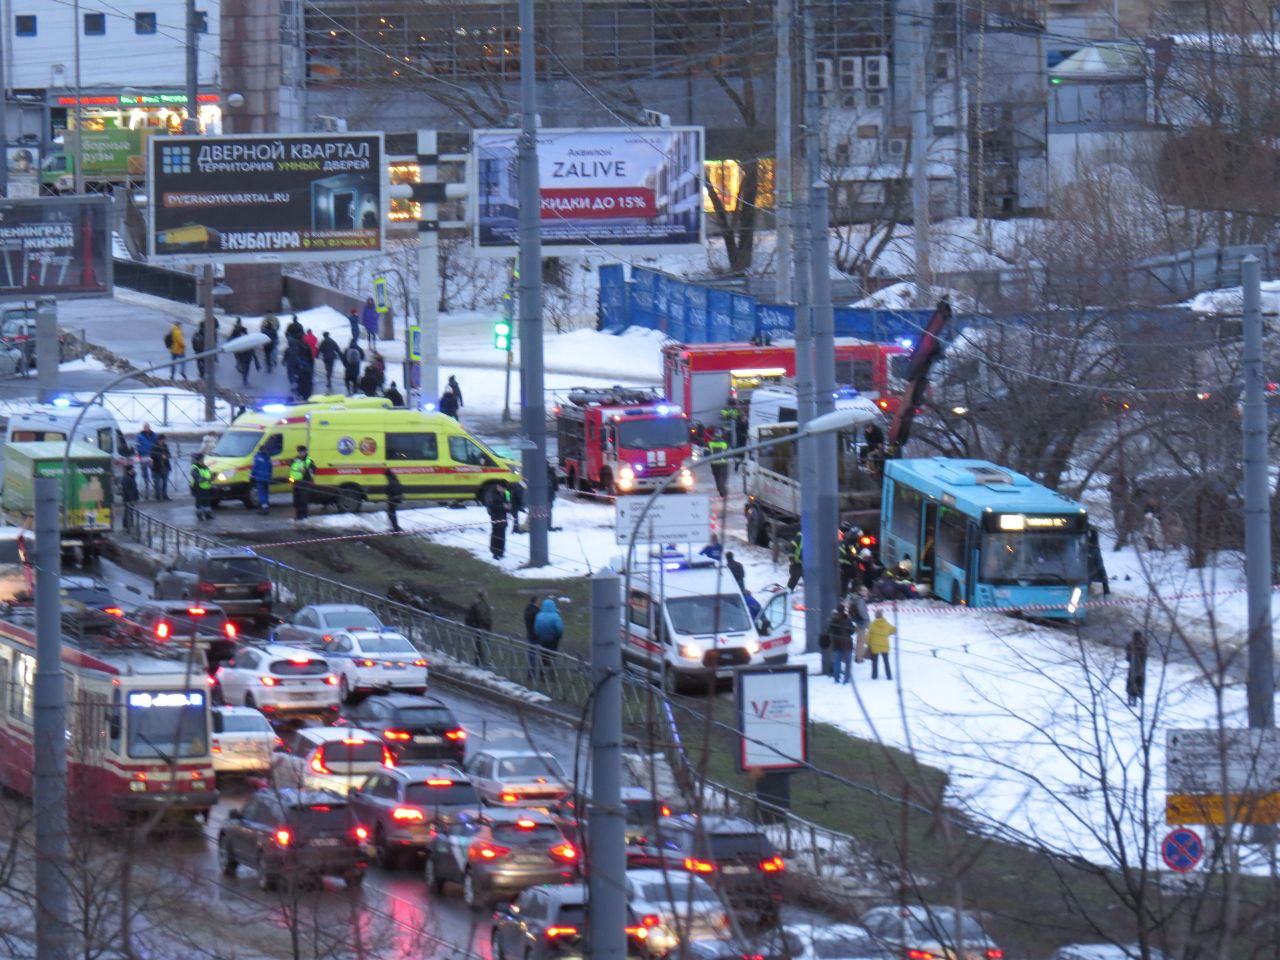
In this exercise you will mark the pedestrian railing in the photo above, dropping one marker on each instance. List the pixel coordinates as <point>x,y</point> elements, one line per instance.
<point>562,677</point>
<point>175,408</point>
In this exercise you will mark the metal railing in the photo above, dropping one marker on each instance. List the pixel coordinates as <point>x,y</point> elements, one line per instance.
<point>161,408</point>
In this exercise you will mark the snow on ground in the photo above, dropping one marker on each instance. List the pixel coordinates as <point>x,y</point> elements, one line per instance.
<point>635,355</point>
<point>1231,299</point>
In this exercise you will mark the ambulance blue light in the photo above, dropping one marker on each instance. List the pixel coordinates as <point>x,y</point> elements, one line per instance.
<point>274,407</point>
<point>62,401</point>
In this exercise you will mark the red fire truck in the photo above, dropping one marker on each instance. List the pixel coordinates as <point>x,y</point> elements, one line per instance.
<point>703,376</point>
<point>622,440</point>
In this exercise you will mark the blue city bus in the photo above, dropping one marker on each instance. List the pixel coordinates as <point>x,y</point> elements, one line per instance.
<point>982,535</point>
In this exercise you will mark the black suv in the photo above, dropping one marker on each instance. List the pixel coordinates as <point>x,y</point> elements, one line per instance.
<point>294,835</point>
<point>730,853</point>
<point>236,580</point>
<point>414,728</point>
<point>171,623</point>
<point>543,922</point>
<point>401,805</point>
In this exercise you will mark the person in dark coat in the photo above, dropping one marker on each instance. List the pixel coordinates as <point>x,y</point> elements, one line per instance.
<point>531,638</point>
<point>271,327</point>
<point>1136,682</point>
<point>449,404</point>
<point>295,330</point>
<point>197,346</point>
<point>260,476</point>
<point>293,351</point>
<point>352,357</point>
<point>840,634</point>
<point>479,617</point>
<point>518,492</point>
<point>369,381</point>
<point>497,502</point>
<point>394,395</point>
<point>306,373</point>
<point>353,318</point>
<point>736,570</point>
<point>395,497</point>
<point>330,353</point>
<point>553,487</point>
<point>457,390</point>
<point>548,627</point>
<point>129,493</point>
<point>160,464</point>
<point>369,320</point>
<point>874,438</point>
<point>145,441</point>
<point>244,358</point>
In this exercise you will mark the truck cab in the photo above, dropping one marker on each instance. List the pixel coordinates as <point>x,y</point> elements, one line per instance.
<point>688,624</point>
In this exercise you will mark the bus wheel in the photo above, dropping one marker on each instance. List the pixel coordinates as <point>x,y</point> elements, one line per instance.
<point>349,498</point>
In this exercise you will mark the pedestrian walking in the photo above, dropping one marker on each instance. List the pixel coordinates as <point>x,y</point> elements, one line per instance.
<point>480,618</point>
<point>295,330</point>
<point>395,497</point>
<point>369,320</point>
<point>270,326</point>
<point>498,502</point>
<point>312,342</point>
<point>531,610</point>
<point>716,446</point>
<point>840,633</point>
<point>1136,681</point>
<point>736,571</point>
<point>302,471</point>
<point>143,444</point>
<point>394,395</point>
<point>518,493</point>
<point>201,484</point>
<point>129,494</point>
<point>160,464</point>
<point>351,360</point>
<point>549,629</point>
<point>197,347</point>
<point>243,357</point>
<point>796,570</point>
<point>329,353</point>
<point>861,619</point>
<point>306,372</point>
<point>878,635</point>
<point>293,351</point>
<point>353,318</point>
<point>369,380</point>
<point>553,488</point>
<point>260,476</point>
<point>451,399</point>
<point>176,344</point>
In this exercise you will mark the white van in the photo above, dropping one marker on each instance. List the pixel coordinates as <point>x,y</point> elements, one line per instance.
<point>51,421</point>
<point>687,623</point>
<point>778,404</point>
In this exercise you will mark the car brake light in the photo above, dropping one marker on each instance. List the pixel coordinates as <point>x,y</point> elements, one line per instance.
<point>553,932</point>
<point>113,611</point>
<point>264,586</point>
<point>361,833</point>
<point>326,638</point>
<point>215,746</point>
<point>229,629</point>
<point>698,866</point>
<point>666,811</point>
<point>439,783</point>
<point>772,865</point>
<point>396,735</point>
<point>211,680</point>
<point>565,851</point>
<point>388,758</point>
<point>510,797</point>
<point>526,824</point>
<point>651,920</point>
<point>206,589</point>
<point>419,663</point>
<point>882,404</point>
<point>458,734</point>
<point>353,741</point>
<point>196,611</point>
<point>484,850</point>
<point>283,837</point>
<point>317,762</point>
<point>269,681</point>
<point>162,630</point>
<point>405,814</point>
<point>640,933</point>
<point>921,955</point>
<point>994,954</point>
<point>331,680</point>
<point>367,663</point>
<point>867,540</point>
<point>300,661</point>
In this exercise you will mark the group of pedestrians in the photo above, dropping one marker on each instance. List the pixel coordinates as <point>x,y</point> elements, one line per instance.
<point>155,460</point>
<point>505,502</point>
<point>544,629</point>
<point>852,635</point>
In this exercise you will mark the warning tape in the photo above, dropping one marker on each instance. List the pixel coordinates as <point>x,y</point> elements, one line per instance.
<point>484,525</point>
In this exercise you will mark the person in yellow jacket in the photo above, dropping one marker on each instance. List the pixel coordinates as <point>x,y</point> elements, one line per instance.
<point>878,635</point>
<point>176,344</point>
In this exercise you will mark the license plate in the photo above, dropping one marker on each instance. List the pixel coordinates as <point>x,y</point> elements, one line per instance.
<point>238,591</point>
<point>426,739</point>
<point>299,696</point>
<point>736,870</point>
<point>394,666</point>
<point>325,842</point>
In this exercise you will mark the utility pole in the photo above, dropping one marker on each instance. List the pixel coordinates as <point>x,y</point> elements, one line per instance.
<point>783,12</point>
<point>606,823</point>
<point>4,115</point>
<point>428,274</point>
<point>46,348</point>
<point>204,279</point>
<point>78,159</point>
<point>192,123</point>
<point>53,933</point>
<point>1257,507</point>
<point>918,50</point>
<point>533,414</point>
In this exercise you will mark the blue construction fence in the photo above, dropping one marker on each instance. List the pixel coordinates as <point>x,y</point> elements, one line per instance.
<point>695,313</point>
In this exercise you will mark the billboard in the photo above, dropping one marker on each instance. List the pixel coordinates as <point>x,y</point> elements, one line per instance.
<point>250,198</point>
<point>608,189</point>
<point>55,246</point>
<point>773,717</point>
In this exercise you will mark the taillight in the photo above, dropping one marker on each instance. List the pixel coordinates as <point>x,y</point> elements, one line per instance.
<point>564,851</point>
<point>388,758</point>
<point>882,404</point>
<point>553,932</point>
<point>215,745</point>
<point>921,955</point>
<point>458,734</point>
<point>650,920</point>
<point>264,586</point>
<point>666,811</point>
<point>206,589</point>
<point>366,663</point>
<point>229,629</point>
<point>772,865</point>
<point>196,611</point>
<point>407,814</point>
<point>361,833</point>
<point>113,611</point>
<point>269,681</point>
<point>434,782</point>
<point>640,933</point>
<point>419,663</point>
<point>331,680</point>
<point>994,954</point>
<point>698,866</point>
<point>284,837</point>
<point>317,762</point>
<point>163,630</point>
<point>484,850</point>
<point>510,798</point>
<point>396,735</point>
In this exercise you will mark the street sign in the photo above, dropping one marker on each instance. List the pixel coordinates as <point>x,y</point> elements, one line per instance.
<point>380,295</point>
<point>415,343</point>
<point>1213,776</point>
<point>675,518</point>
<point>773,713</point>
<point>1182,850</point>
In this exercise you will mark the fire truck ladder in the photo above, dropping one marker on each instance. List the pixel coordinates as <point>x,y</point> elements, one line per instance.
<point>616,395</point>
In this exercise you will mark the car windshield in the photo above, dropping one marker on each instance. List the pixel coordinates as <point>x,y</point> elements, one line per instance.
<point>940,926</point>
<point>536,766</point>
<point>359,751</point>
<point>539,833</point>
<point>653,434</point>
<point>92,595</point>
<point>1034,558</point>
<point>237,443</point>
<point>299,668</point>
<point>351,619</point>
<point>319,817</point>
<point>424,717</point>
<point>386,643</point>
<point>240,569</point>
<point>167,724</point>
<point>694,615</point>
<point>240,723</point>
<point>677,892</point>
<point>739,845</point>
<point>840,948</point>
<point>206,621</point>
<point>458,793</point>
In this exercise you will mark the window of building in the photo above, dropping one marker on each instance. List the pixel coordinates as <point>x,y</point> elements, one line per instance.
<point>144,23</point>
<point>24,25</point>
<point>95,24</point>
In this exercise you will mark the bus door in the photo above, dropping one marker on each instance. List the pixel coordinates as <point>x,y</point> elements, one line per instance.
<point>927,543</point>
<point>972,556</point>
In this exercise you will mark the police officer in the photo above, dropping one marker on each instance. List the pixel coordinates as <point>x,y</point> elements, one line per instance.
<point>498,503</point>
<point>302,471</point>
<point>719,468</point>
<point>796,571</point>
<point>734,423</point>
<point>202,487</point>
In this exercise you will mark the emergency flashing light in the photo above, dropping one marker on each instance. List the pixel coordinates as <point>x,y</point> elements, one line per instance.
<point>502,334</point>
<point>61,401</point>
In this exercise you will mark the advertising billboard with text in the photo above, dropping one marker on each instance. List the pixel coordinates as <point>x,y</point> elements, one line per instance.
<point>55,246</point>
<point>253,198</point>
<point>602,188</point>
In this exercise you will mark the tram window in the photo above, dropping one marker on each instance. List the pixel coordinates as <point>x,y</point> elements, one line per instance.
<point>24,682</point>
<point>113,721</point>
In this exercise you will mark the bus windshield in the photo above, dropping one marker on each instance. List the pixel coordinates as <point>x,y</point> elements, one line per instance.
<point>653,434</point>
<point>237,443</point>
<point>167,724</point>
<point>1020,557</point>
<point>694,615</point>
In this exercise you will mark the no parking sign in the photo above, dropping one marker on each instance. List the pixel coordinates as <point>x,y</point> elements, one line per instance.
<point>1182,850</point>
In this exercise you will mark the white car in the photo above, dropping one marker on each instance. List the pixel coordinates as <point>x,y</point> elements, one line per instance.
<point>338,759</point>
<point>1103,951</point>
<point>376,660</point>
<point>277,679</point>
<point>838,941</point>
<point>930,930</point>
<point>517,778</point>
<point>318,622</point>
<point>242,741</point>
<point>672,908</point>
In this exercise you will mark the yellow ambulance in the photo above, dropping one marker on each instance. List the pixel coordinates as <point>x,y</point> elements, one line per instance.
<point>352,442</point>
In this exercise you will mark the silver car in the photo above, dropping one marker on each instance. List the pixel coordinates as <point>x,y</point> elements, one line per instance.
<point>242,741</point>
<point>931,930</point>
<point>316,624</point>
<point>518,778</point>
<point>671,908</point>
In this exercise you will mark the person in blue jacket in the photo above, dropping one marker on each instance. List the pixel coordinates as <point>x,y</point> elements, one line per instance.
<point>145,442</point>
<point>549,629</point>
<point>260,476</point>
